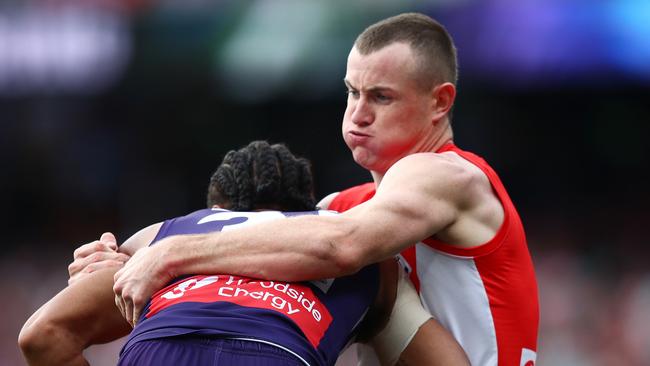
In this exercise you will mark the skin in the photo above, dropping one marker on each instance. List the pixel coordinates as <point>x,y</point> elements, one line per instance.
<point>387,116</point>
<point>84,314</point>
<point>96,255</point>
<point>391,129</point>
<point>49,337</point>
<point>435,339</point>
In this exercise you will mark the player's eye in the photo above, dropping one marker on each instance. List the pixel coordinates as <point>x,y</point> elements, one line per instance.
<point>382,98</point>
<point>353,93</point>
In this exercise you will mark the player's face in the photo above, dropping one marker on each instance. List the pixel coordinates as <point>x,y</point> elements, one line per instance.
<point>387,116</point>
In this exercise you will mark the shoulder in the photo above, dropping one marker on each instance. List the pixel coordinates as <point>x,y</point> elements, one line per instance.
<point>447,171</point>
<point>140,239</point>
<point>445,180</point>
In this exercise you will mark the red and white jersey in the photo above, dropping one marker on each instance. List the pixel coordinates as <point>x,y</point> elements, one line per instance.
<point>485,295</point>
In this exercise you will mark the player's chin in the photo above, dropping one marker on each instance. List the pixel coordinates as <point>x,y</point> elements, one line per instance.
<point>364,158</point>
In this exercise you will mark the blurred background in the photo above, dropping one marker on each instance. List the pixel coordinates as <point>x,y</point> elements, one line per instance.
<point>114,113</point>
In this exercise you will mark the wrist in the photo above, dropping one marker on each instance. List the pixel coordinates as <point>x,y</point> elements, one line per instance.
<point>175,255</point>
<point>167,259</point>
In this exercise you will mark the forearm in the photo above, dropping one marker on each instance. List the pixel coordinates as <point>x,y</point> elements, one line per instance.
<point>433,345</point>
<point>298,248</point>
<point>295,249</point>
<point>82,314</point>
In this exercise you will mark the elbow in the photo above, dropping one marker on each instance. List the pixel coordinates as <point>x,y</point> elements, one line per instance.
<point>348,247</point>
<point>348,260</point>
<point>33,340</point>
<point>345,256</point>
<point>25,340</point>
<point>41,342</point>
<point>337,248</point>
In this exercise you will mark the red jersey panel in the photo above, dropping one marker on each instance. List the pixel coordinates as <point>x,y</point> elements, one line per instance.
<point>297,301</point>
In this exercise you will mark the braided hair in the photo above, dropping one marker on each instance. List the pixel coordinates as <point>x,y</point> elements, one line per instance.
<point>262,176</point>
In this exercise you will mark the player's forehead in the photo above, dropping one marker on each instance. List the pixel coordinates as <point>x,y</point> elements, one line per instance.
<point>387,68</point>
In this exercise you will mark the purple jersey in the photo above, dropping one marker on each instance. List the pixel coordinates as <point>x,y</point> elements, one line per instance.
<point>313,320</point>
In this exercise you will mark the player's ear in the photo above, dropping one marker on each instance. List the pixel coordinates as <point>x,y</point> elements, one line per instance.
<point>444,96</point>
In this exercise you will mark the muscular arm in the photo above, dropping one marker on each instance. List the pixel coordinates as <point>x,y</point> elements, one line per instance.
<point>82,314</point>
<point>411,203</point>
<point>421,195</point>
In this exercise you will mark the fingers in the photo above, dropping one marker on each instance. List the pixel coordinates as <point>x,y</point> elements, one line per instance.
<point>136,282</point>
<point>95,255</point>
<point>119,300</point>
<point>96,261</point>
<point>120,306</point>
<point>106,243</point>
<point>130,311</point>
<point>123,301</point>
<point>109,239</point>
<point>127,310</point>
<point>131,293</point>
<point>79,269</point>
<point>137,310</point>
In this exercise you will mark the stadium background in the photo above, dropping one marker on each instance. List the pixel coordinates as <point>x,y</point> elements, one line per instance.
<point>113,114</point>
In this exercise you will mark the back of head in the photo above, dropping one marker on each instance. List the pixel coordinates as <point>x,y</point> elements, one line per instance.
<point>429,40</point>
<point>262,176</point>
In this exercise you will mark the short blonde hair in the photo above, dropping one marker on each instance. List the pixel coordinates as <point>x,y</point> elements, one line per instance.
<point>428,39</point>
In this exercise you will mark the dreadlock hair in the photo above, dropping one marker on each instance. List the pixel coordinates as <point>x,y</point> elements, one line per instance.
<point>262,176</point>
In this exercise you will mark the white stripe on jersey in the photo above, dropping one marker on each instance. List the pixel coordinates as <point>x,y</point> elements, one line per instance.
<point>455,295</point>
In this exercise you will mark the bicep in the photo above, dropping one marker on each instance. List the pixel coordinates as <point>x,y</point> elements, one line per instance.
<point>410,205</point>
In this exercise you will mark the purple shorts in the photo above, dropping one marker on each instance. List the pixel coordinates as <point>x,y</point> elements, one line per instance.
<point>206,351</point>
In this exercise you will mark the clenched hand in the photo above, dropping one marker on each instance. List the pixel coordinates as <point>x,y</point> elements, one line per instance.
<point>140,277</point>
<point>94,256</point>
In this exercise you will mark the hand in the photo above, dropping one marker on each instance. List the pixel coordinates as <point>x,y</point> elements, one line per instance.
<point>95,255</point>
<point>140,277</point>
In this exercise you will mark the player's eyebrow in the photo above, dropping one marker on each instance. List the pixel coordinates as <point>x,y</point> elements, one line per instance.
<point>378,88</point>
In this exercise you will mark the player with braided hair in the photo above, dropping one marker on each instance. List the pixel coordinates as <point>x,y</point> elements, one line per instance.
<point>262,175</point>
<point>222,319</point>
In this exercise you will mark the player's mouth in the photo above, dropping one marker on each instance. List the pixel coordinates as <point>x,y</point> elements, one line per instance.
<point>357,137</point>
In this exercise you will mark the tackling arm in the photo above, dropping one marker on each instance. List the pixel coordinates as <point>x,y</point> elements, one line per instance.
<point>411,203</point>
